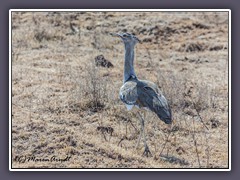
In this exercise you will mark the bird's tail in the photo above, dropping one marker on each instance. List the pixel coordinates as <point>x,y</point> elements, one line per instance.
<point>165,115</point>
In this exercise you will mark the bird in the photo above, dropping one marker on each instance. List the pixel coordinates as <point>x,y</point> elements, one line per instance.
<point>143,94</point>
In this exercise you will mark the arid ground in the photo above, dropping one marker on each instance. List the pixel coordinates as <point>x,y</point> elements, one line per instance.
<point>67,71</point>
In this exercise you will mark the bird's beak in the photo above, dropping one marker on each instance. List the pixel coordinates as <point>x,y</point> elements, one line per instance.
<point>116,35</point>
<point>120,35</point>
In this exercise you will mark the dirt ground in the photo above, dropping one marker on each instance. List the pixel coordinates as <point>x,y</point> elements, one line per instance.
<point>66,112</point>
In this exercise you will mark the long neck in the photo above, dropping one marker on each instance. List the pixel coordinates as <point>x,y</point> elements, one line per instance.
<point>128,64</point>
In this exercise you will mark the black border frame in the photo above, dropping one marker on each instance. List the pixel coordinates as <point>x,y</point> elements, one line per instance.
<point>132,169</point>
<point>5,5</point>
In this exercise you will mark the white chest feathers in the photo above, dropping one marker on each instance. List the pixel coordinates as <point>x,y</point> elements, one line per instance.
<point>129,107</point>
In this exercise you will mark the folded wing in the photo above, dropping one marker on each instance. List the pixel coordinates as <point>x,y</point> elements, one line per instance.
<point>151,97</point>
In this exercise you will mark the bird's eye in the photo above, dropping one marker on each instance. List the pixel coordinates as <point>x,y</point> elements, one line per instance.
<point>124,35</point>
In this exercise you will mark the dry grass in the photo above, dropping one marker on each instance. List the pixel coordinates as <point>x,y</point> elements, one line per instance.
<point>63,105</point>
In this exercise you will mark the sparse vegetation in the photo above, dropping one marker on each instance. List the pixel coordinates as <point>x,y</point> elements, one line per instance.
<point>64,103</point>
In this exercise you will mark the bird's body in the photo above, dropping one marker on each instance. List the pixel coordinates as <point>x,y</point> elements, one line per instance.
<point>145,94</point>
<point>141,93</point>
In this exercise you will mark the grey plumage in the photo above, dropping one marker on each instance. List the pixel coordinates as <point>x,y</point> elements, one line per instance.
<point>141,93</point>
<point>146,94</point>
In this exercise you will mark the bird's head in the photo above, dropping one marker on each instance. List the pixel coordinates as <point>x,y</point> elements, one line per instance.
<point>127,38</point>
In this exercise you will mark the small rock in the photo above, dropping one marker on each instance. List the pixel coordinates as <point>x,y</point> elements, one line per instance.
<point>216,48</point>
<point>200,26</point>
<point>104,129</point>
<point>101,61</point>
<point>215,123</point>
<point>180,150</point>
<point>194,47</point>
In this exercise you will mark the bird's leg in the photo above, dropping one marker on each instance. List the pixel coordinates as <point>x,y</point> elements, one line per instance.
<point>146,150</point>
<point>139,138</point>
